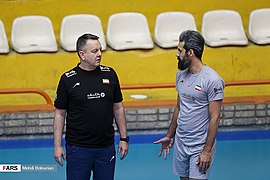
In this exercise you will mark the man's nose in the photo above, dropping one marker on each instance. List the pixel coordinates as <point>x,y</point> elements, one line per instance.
<point>99,53</point>
<point>177,54</point>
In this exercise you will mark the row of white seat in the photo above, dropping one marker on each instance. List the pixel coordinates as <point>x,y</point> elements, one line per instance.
<point>129,30</point>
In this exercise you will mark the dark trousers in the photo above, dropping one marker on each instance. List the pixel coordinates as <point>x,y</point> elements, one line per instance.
<point>82,160</point>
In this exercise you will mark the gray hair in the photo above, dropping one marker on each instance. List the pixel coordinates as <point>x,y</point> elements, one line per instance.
<point>82,41</point>
<point>193,40</point>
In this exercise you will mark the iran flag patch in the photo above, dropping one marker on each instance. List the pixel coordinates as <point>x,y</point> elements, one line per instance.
<point>198,88</point>
<point>105,81</point>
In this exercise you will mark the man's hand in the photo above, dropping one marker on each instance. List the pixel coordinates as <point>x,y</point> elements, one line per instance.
<point>167,143</point>
<point>122,146</point>
<point>59,154</point>
<point>204,160</point>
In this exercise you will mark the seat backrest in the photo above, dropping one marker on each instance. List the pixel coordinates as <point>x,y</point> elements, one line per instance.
<point>128,30</point>
<point>33,34</point>
<point>73,26</point>
<point>223,27</point>
<point>4,47</point>
<point>259,26</point>
<point>169,26</point>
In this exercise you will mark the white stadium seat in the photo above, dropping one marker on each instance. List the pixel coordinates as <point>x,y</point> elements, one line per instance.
<point>259,26</point>
<point>169,26</point>
<point>4,47</point>
<point>33,34</point>
<point>223,27</point>
<point>73,26</point>
<point>128,30</point>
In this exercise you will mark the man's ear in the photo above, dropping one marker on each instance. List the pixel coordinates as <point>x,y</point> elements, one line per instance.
<point>82,55</point>
<point>190,52</point>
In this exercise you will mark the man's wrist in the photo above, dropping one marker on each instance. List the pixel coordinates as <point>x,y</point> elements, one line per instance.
<point>169,136</point>
<point>57,147</point>
<point>207,149</point>
<point>126,139</point>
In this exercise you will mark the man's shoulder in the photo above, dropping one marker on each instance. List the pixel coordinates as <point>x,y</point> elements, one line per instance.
<point>209,70</point>
<point>70,73</point>
<point>210,75</point>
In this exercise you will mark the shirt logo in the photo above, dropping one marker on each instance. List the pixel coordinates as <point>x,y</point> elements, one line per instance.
<point>95,95</point>
<point>70,73</point>
<point>104,68</point>
<point>76,84</point>
<point>218,90</point>
<point>188,96</point>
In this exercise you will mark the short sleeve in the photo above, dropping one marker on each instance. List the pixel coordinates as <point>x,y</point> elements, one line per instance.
<point>216,89</point>
<point>61,98</point>
<point>118,97</point>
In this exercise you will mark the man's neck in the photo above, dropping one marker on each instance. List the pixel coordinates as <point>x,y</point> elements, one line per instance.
<point>196,67</point>
<point>86,68</point>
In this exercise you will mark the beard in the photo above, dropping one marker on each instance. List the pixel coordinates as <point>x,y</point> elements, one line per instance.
<point>183,63</point>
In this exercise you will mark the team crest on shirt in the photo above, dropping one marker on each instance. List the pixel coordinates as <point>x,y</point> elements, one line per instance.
<point>105,81</point>
<point>198,88</point>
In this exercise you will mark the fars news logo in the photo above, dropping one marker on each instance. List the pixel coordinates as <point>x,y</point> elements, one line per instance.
<point>10,168</point>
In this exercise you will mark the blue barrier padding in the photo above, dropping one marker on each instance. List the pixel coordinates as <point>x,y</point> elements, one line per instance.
<point>243,135</point>
<point>139,139</point>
